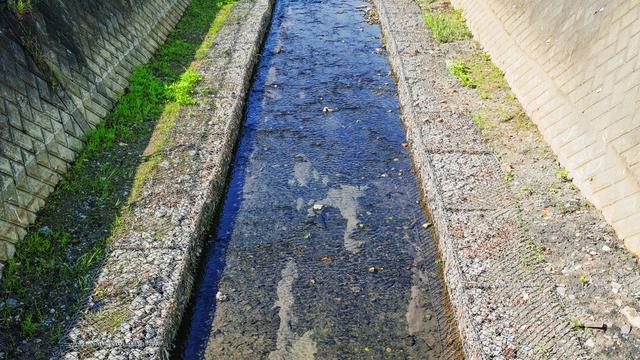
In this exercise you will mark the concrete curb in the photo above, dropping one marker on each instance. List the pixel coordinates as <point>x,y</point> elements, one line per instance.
<point>146,281</point>
<point>503,300</point>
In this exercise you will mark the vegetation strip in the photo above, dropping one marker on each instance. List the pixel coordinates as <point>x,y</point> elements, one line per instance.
<point>47,281</point>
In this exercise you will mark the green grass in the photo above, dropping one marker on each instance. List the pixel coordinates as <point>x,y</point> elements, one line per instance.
<point>21,6</point>
<point>447,25</point>
<point>487,78</point>
<point>476,70</point>
<point>575,323</point>
<point>460,70</point>
<point>181,89</point>
<point>54,269</point>
<point>563,175</point>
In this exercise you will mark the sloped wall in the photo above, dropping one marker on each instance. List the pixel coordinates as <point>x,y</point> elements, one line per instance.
<point>62,65</point>
<point>575,67</point>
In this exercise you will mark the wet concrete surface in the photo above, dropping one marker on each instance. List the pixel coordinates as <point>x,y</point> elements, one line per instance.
<point>320,250</point>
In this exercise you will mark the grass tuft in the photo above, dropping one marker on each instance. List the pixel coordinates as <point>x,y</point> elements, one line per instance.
<point>460,70</point>
<point>477,71</point>
<point>447,25</point>
<point>181,89</point>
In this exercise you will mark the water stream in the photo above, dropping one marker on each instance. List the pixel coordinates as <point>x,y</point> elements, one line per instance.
<point>321,249</point>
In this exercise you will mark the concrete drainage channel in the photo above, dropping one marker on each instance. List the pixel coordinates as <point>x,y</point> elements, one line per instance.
<point>320,250</point>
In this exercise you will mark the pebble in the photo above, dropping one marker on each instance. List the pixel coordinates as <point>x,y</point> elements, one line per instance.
<point>561,290</point>
<point>45,230</point>
<point>625,329</point>
<point>317,207</point>
<point>220,296</point>
<point>615,287</point>
<point>11,302</point>
<point>606,248</point>
<point>632,315</point>
<point>589,343</point>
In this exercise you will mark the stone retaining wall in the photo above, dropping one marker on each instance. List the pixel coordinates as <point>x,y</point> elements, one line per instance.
<point>62,66</point>
<point>575,67</point>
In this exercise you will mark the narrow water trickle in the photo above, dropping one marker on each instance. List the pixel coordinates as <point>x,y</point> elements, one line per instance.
<point>320,250</point>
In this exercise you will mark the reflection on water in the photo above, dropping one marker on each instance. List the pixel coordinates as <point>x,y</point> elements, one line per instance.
<point>320,251</point>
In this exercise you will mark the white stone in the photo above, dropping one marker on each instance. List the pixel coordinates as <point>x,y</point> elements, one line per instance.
<point>589,343</point>
<point>220,296</point>
<point>632,315</point>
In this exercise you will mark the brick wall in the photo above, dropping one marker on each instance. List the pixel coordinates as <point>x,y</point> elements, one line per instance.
<point>575,67</point>
<point>62,66</point>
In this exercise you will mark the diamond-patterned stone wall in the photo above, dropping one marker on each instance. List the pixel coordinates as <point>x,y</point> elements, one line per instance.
<point>62,66</point>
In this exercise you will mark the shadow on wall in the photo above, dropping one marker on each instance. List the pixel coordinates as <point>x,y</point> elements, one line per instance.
<point>53,26</point>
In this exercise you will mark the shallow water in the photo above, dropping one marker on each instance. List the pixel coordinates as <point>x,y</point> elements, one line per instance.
<point>320,250</point>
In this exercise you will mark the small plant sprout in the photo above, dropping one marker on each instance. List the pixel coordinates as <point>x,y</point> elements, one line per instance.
<point>584,279</point>
<point>575,323</point>
<point>563,175</point>
<point>508,176</point>
<point>460,70</point>
<point>22,6</point>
